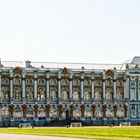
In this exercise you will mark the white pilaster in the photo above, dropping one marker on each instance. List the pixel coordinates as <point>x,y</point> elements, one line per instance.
<point>59,87</point>
<point>70,87</point>
<point>35,86</point>
<point>92,87</point>
<point>114,88</point>
<point>0,112</point>
<point>125,88</point>
<point>23,86</point>
<point>0,86</point>
<point>82,87</point>
<point>11,85</point>
<point>47,87</point>
<point>103,85</point>
<point>126,93</point>
<point>138,89</point>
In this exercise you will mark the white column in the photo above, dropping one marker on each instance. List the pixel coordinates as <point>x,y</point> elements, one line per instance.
<point>70,87</point>
<point>125,88</point>
<point>23,87</point>
<point>0,112</point>
<point>47,87</point>
<point>126,93</point>
<point>35,86</point>
<point>11,88</point>
<point>138,89</point>
<point>92,87</point>
<point>135,90</point>
<point>114,88</point>
<point>0,87</point>
<point>103,85</point>
<point>59,87</point>
<point>82,88</point>
<point>11,85</point>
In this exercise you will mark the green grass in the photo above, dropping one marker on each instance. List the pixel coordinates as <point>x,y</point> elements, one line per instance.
<point>98,133</point>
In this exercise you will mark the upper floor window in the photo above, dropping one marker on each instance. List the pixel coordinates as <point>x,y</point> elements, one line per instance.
<point>87,82</point>
<point>17,109</point>
<point>53,82</point>
<point>29,81</point>
<point>132,82</point>
<point>29,112</point>
<point>76,82</point>
<point>17,81</point>
<point>64,82</point>
<point>41,82</point>
<point>97,83</point>
<point>5,81</point>
<point>119,83</point>
<point>108,83</point>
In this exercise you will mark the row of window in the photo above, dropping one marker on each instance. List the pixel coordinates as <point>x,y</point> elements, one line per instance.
<point>64,95</point>
<point>5,81</point>
<point>55,113</point>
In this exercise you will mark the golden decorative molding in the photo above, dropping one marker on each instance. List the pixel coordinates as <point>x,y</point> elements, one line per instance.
<point>109,72</point>
<point>17,70</point>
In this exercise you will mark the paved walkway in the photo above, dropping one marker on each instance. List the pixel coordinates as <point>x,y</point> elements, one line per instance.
<point>33,137</point>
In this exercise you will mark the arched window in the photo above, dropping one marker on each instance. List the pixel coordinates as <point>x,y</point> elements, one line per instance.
<point>64,93</point>
<point>41,93</point>
<point>64,82</point>
<point>120,111</point>
<point>53,94</point>
<point>54,113</point>
<point>88,112</point>
<point>41,112</point>
<point>17,81</point>
<point>98,112</point>
<point>119,83</point>
<point>4,81</point>
<point>5,111</point>
<point>18,112</point>
<point>17,93</point>
<point>5,93</point>
<point>108,94</point>
<point>53,82</point>
<point>108,83</point>
<point>76,82</point>
<point>119,93</point>
<point>132,83</point>
<point>29,93</point>
<point>97,93</point>
<point>98,83</point>
<point>109,112</point>
<point>41,82</point>
<point>87,94</point>
<point>77,113</point>
<point>30,112</point>
<point>133,111</point>
<point>87,82</point>
<point>29,81</point>
<point>76,94</point>
<point>132,94</point>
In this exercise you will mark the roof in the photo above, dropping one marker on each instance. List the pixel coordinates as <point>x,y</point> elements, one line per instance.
<point>57,65</point>
<point>133,60</point>
<point>136,60</point>
<point>90,66</point>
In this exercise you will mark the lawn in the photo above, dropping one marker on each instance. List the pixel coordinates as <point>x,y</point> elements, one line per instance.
<point>98,133</point>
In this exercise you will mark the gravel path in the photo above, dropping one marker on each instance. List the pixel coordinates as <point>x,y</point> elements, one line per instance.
<point>33,137</point>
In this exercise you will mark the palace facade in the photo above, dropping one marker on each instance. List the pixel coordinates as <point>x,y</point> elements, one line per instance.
<point>96,94</point>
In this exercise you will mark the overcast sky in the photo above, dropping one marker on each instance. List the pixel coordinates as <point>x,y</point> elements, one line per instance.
<point>94,31</point>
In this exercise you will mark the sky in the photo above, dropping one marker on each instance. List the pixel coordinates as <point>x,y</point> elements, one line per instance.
<point>88,31</point>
